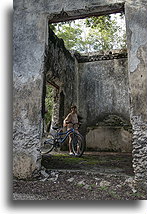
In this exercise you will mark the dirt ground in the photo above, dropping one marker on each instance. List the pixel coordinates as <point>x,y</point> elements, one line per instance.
<point>94,176</point>
<point>103,162</point>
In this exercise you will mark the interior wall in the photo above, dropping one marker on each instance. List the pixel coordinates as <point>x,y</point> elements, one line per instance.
<point>103,102</point>
<point>103,90</point>
<point>60,70</point>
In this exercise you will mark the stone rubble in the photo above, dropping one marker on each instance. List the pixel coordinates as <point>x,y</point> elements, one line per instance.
<point>130,183</point>
<point>46,175</point>
<point>70,180</point>
<point>86,186</point>
<point>71,186</point>
<point>81,183</point>
<point>104,183</point>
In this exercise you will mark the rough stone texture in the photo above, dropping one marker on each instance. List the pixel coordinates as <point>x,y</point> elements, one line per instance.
<point>23,165</point>
<point>136,16</point>
<point>103,90</point>
<point>101,55</point>
<point>28,55</point>
<point>107,138</point>
<point>21,196</point>
<point>30,21</point>
<point>60,70</point>
<point>103,93</point>
<point>66,10</point>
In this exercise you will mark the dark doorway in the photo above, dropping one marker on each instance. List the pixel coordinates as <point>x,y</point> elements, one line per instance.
<point>61,108</point>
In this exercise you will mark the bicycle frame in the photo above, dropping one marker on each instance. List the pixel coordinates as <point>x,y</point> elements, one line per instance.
<point>67,133</point>
<point>55,140</point>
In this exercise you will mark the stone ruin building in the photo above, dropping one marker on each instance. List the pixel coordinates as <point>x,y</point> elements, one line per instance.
<point>109,89</point>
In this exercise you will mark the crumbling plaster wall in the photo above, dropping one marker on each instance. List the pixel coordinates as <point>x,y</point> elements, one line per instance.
<point>103,90</point>
<point>103,101</point>
<point>28,55</point>
<point>60,69</point>
<point>136,16</point>
<point>30,21</point>
<point>58,10</point>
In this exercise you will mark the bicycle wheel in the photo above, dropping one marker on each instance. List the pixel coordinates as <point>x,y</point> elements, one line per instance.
<point>48,144</point>
<point>78,144</point>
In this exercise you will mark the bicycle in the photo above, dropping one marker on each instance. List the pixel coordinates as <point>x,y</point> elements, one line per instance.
<point>56,140</point>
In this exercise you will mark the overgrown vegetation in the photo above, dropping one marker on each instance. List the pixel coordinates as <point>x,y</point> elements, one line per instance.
<point>93,34</point>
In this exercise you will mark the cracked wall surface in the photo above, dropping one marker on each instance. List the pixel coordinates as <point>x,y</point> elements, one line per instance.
<point>60,69</point>
<point>28,55</point>
<point>103,89</point>
<point>103,100</point>
<point>29,39</point>
<point>136,16</point>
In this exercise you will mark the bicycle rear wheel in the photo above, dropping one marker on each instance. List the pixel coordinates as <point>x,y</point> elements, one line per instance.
<point>48,144</point>
<point>78,144</point>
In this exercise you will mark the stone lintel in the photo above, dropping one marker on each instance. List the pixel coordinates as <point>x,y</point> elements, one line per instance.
<point>87,12</point>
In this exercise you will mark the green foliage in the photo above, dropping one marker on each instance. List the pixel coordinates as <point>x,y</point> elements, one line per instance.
<point>70,35</point>
<point>103,32</point>
<point>92,34</point>
<point>103,188</point>
<point>101,22</point>
<point>49,100</point>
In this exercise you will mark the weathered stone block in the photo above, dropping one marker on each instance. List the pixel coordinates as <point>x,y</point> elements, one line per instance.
<point>23,165</point>
<point>109,139</point>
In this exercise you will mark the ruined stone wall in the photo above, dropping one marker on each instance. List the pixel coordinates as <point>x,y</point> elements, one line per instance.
<point>29,38</point>
<point>136,16</point>
<point>109,139</point>
<point>60,69</point>
<point>103,90</point>
<point>99,88</point>
<point>28,56</point>
<point>103,101</point>
<point>66,10</point>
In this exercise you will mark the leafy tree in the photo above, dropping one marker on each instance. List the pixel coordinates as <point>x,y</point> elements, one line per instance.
<point>70,35</point>
<point>101,22</point>
<point>92,34</point>
<point>105,33</point>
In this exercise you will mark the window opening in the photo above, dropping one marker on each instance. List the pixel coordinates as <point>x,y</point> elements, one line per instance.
<point>93,34</point>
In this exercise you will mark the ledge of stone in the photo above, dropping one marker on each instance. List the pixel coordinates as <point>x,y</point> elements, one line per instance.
<point>98,56</point>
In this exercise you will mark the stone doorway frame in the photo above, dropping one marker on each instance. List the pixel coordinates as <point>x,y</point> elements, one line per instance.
<point>38,15</point>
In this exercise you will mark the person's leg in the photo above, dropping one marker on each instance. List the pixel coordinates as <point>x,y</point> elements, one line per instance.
<point>70,146</point>
<point>78,148</point>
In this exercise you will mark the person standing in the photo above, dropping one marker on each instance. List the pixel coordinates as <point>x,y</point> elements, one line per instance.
<point>71,121</point>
